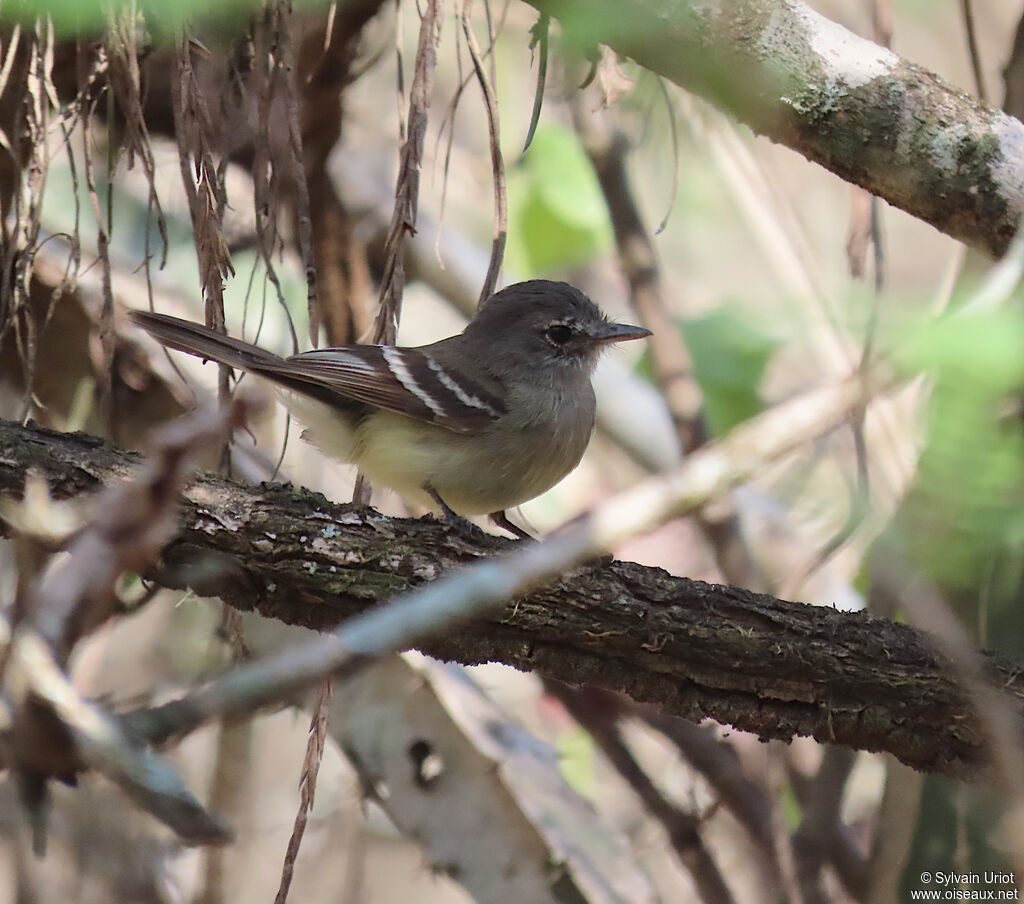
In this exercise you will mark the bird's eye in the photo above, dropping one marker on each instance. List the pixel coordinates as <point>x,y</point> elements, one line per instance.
<point>559,333</point>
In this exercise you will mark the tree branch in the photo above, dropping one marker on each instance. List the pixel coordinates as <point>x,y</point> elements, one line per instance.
<point>775,668</point>
<point>856,108</point>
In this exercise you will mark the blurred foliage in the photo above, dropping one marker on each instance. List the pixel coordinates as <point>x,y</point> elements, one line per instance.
<point>954,831</point>
<point>730,354</point>
<point>557,214</point>
<point>163,17</point>
<point>577,761</point>
<point>729,359</point>
<point>582,25</point>
<point>962,524</point>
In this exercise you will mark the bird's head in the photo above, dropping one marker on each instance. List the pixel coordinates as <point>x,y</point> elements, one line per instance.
<point>546,324</point>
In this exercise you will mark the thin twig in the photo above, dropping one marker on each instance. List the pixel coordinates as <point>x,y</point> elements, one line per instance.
<point>52,731</point>
<point>597,712</point>
<point>403,220</point>
<point>307,785</point>
<point>539,35</point>
<point>670,111</point>
<point>104,379</point>
<point>719,763</point>
<point>497,162</point>
<point>126,82</point>
<point>967,11</point>
<point>204,188</point>
<point>448,120</point>
<point>285,64</point>
<point>266,198</point>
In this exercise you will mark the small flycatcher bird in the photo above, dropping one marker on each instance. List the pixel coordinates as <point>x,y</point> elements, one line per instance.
<point>476,423</point>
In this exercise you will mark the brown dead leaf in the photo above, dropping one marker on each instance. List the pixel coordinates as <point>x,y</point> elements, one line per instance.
<point>613,82</point>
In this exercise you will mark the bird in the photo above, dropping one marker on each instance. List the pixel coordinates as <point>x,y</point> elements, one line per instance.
<point>473,424</point>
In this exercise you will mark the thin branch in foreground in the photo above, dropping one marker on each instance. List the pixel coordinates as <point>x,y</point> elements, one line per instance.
<point>51,732</point>
<point>99,743</point>
<point>470,593</point>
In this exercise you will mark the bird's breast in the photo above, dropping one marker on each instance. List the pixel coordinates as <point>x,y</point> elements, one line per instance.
<point>539,440</point>
<point>511,461</point>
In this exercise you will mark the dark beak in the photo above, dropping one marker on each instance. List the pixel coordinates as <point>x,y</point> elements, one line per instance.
<point>617,332</point>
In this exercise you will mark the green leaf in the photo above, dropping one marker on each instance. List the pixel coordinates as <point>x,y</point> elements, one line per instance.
<point>558,217</point>
<point>729,358</point>
<point>549,242</point>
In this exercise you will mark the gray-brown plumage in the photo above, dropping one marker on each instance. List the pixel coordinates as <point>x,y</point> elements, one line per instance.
<point>478,422</point>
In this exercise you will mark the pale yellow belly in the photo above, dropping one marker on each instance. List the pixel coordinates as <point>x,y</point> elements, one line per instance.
<point>473,473</point>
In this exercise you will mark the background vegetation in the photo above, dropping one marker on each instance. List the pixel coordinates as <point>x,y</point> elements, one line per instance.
<point>207,161</point>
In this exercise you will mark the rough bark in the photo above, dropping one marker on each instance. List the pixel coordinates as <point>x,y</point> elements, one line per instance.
<point>772,667</point>
<point>843,101</point>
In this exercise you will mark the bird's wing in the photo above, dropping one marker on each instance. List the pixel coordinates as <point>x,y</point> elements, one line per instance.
<point>409,381</point>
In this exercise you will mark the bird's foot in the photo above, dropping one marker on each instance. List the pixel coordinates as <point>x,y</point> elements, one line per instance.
<point>463,525</point>
<point>500,519</point>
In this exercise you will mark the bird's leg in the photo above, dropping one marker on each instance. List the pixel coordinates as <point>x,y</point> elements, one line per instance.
<point>450,515</point>
<point>501,520</point>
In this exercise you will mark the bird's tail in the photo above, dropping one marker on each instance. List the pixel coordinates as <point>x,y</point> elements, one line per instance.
<point>204,342</point>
